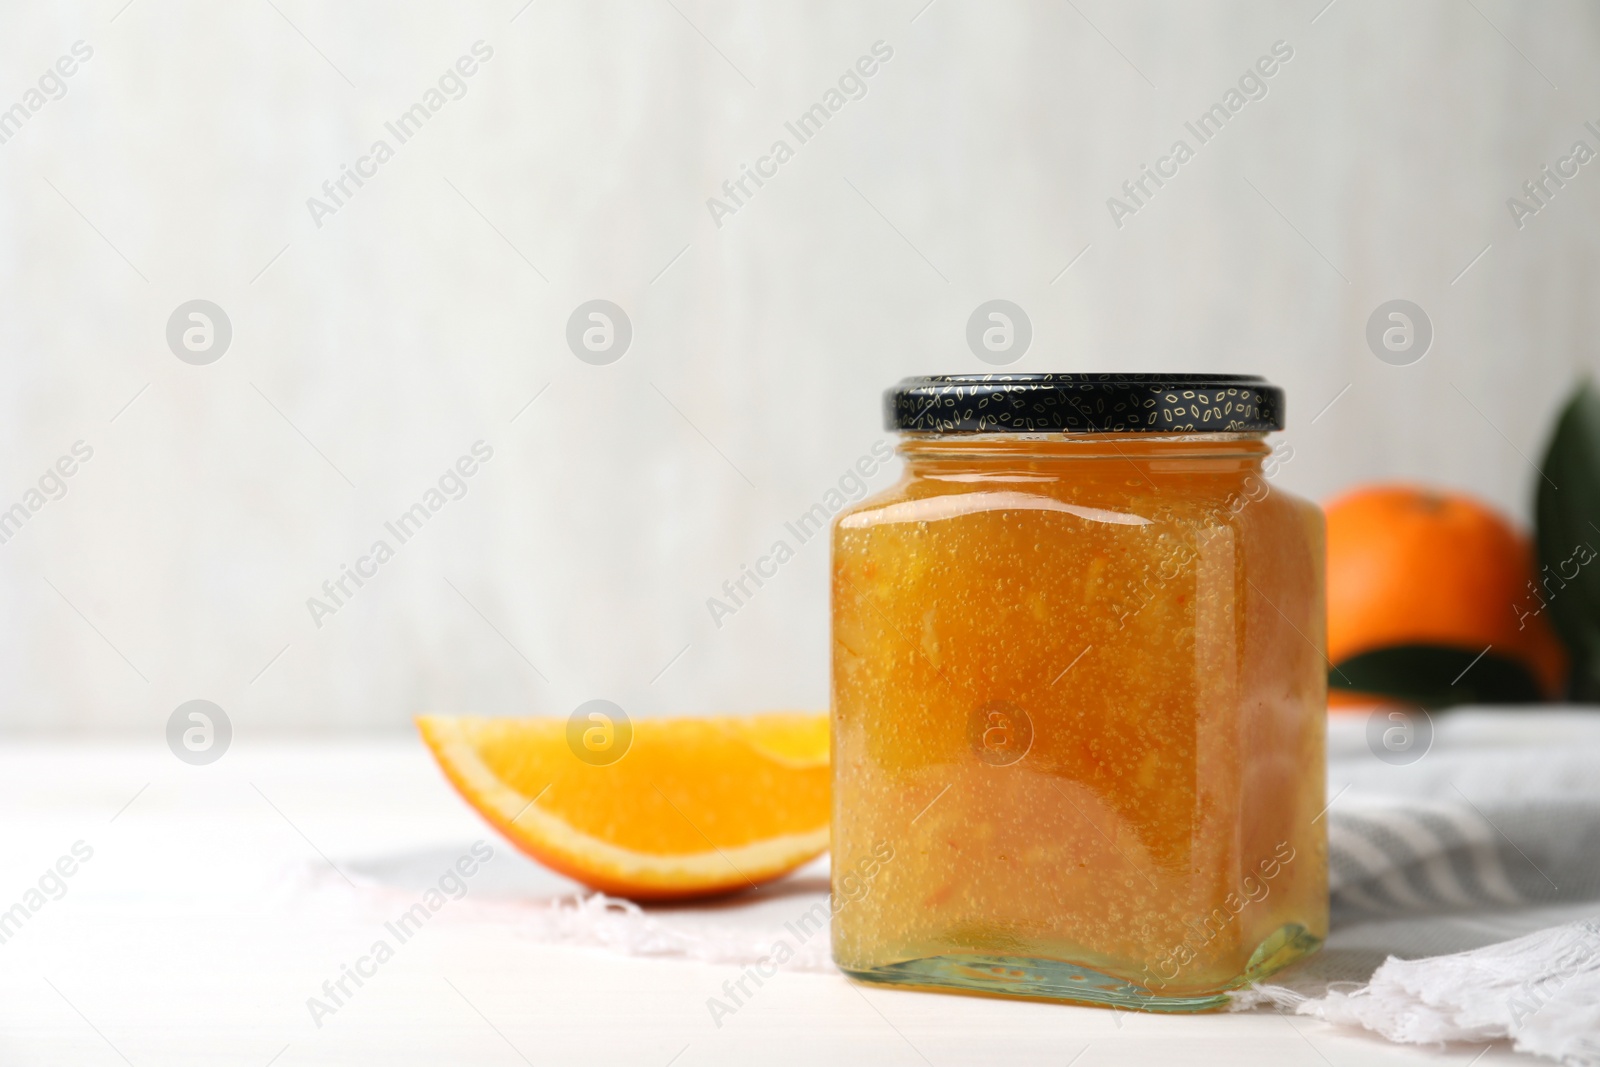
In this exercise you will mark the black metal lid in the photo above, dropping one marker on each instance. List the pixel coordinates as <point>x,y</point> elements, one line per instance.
<point>1084,403</point>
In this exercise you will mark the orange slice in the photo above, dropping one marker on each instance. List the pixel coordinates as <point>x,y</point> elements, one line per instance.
<point>693,807</point>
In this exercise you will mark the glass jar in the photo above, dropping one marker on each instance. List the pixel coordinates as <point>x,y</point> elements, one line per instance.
<point>1079,695</point>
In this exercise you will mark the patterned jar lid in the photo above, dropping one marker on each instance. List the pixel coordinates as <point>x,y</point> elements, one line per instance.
<point>1084,403</point>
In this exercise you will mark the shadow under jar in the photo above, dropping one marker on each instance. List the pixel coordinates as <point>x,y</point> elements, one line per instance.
<point>1079,695</point>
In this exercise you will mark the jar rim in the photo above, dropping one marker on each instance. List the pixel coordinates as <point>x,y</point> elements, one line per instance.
<point>1084,403</point>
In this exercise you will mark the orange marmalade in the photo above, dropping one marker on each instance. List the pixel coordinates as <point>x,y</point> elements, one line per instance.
<point>1079,695</point>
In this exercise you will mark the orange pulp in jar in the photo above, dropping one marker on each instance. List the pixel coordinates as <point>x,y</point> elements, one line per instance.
<point>1078,720</point>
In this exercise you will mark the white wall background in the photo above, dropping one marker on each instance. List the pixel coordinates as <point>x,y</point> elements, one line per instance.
<point>416,321</point>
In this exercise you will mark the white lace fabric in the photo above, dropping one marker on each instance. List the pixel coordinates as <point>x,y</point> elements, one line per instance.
<point>1540,991</point>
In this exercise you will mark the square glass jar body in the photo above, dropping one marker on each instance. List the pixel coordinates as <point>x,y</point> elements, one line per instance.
<point>1079,703</point>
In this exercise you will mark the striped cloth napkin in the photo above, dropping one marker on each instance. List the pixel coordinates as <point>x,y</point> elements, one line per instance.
<point>1464,872</point>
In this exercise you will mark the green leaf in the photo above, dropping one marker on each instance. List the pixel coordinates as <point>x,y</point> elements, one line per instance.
<point>1567,521</point>
<point>1437,677</point>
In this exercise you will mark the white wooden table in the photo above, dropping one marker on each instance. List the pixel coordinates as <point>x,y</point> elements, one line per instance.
<point>207,916</point>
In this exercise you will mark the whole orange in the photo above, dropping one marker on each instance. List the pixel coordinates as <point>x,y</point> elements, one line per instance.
<point>1414,566</point>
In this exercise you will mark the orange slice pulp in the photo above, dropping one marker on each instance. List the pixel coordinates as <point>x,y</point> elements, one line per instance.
<point>693,807</point>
